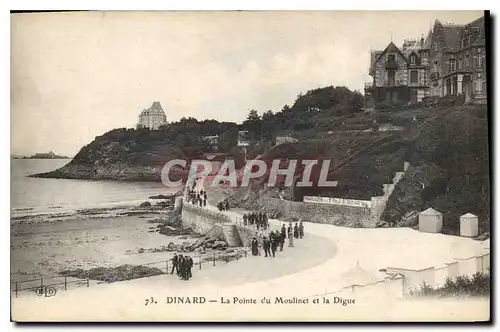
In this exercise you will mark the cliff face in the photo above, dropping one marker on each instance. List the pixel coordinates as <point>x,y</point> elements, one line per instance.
<point>130,155</point>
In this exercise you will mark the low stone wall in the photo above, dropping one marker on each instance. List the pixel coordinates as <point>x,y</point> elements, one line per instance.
<point>202,220</point>
<point>336,214</point>
<point>316,212</point>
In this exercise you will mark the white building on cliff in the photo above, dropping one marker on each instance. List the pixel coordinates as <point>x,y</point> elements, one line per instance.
<point>153,117</point>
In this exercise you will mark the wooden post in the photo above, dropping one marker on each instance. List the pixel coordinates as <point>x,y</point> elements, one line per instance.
<point>200,261</point>
<point>214,259</point>
<point>16,289</point>
<point>88,284</point>
<point>166,266</point>
<point>245,249</point>
<point>41,281</point>
<point>65,283</point>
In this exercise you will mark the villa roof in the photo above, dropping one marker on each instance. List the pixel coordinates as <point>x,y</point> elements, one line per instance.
<point>428,41</point>
<point>452,36</point>
<point>391,48</point>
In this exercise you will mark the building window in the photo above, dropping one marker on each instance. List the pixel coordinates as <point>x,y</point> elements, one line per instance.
<point>391,77</point>
<point>391,57</point>
<point>413,76</point>
<point>453,65</point>
<point>479,58</point>
<point>479,83</point>
<point>413,59</point>
<point>467,61</point>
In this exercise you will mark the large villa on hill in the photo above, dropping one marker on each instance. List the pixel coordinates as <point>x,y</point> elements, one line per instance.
<point>153,117</point>
<point>451,61</point>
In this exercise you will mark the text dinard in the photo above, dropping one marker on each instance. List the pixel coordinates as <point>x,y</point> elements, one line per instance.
<point>263,300</point>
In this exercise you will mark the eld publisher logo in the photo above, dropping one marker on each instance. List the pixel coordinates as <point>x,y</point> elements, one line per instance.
<point>46,291</point>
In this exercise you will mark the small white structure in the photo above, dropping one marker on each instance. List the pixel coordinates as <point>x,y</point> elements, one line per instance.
<point>469,225</point>
<point>430,221</point>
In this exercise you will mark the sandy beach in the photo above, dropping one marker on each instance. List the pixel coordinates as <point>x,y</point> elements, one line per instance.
<point>48,248</point>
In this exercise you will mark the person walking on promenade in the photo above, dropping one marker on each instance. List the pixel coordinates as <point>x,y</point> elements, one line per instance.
<point>290,235</point>
<point>296,231</point>
<point>255,247</point>
<point>175,264</point>
<point>266,245</point>
<point>227,205</point>
<point>205,196</point>
<point>282,237</point>
<point>181,266</point>
<point>245,219</point>
<point>274,242</point>
<point>189,266</point>
<point>301,230</point>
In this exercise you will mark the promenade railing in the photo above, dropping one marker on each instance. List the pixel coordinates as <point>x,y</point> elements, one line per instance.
<point>44,285</point>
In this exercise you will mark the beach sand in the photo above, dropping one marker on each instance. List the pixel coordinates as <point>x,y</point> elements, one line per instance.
<point>48,248</point>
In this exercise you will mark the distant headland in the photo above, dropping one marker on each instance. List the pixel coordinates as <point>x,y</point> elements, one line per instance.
<point>49,155</point>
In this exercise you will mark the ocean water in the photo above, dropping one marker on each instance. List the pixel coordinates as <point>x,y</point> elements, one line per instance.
<point>39,197</point>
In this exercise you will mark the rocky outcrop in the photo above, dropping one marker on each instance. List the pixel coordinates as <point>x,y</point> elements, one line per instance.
<point>129,155</point>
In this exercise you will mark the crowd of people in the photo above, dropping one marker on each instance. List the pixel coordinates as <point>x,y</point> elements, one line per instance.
<point>223,205</point>
<point>276,239</point>
<point>182,265</point>
<point>259,219</point>
<point>198,197</point>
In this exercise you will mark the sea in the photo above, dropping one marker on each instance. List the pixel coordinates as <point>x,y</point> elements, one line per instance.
<point>37,198</point>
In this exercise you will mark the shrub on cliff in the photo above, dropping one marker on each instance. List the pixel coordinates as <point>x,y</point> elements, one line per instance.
<point>450,170</point>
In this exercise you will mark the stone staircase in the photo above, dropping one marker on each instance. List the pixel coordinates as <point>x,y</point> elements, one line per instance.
<point>232,235</point>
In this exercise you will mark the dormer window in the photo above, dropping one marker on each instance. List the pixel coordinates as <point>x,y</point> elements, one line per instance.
<point>413,59</point>
<point>391,57</point>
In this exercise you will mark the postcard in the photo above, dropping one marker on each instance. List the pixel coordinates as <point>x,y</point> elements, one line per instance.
<point>250,166</point>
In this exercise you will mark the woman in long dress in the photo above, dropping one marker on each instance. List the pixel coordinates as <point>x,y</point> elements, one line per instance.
<point>290,236</point>
<point>255,247</point>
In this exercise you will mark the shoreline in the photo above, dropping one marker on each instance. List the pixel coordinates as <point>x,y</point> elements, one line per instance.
<point>51,246</point>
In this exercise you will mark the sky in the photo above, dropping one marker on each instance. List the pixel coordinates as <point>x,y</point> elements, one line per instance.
<point>75,76</point>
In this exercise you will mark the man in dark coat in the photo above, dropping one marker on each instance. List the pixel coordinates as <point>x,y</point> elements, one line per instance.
<point>181,266</point>
<point>274,242</point>
<point>296,231</point>
<point>245,219</point>
<point>283,237</point>
<point>189,266</point>
<point>255,247</point>
<point>266,245</point>
<point>175,264</point>
<point>227,205</point>
<point>301,230</point>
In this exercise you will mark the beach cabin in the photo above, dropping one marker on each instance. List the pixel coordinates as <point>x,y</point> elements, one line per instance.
<point>430,221</point>
<point>469,225</point>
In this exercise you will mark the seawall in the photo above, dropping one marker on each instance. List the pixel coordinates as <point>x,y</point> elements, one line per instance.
<point>335,211</point>
<point>214,224</point>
